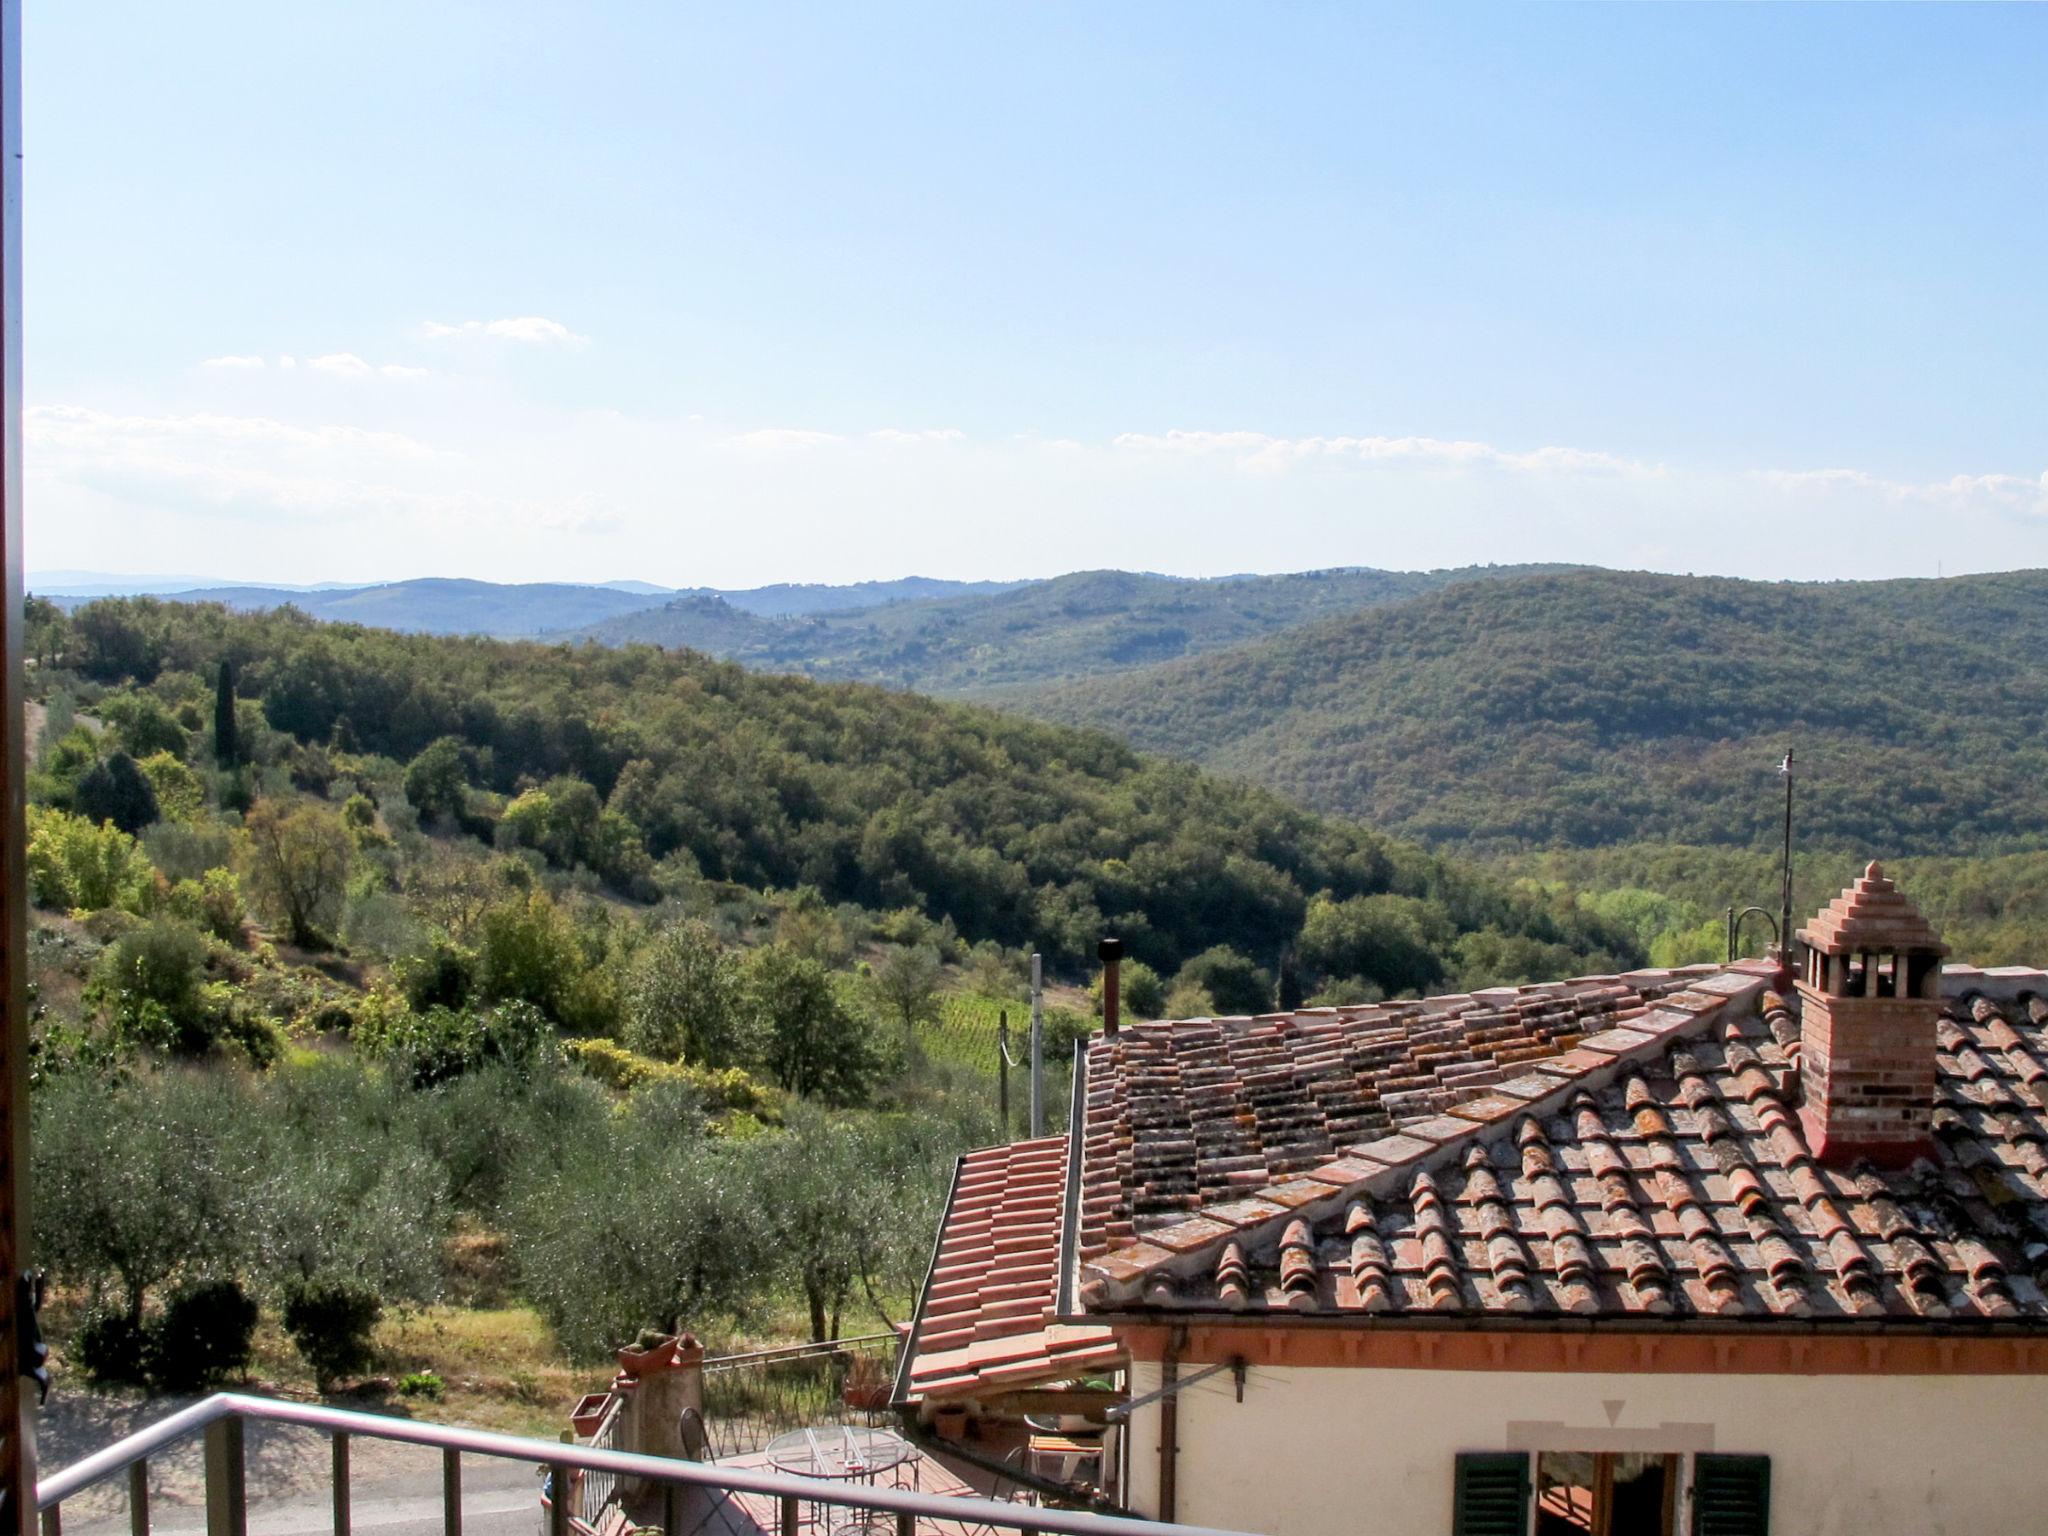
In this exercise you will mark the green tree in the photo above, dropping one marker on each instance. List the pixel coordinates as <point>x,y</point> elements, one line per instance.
<point>1234,983</point>
<point>143,725</point>
<point>136,1178</point>
<point>687,1000</point>
<point>907,982</point>
<point>227,752</point>
<point>1396,942</point>
<point>809,1041</point>
<point>117,791</point>
<point>299,857</point>
<point>437,781</point>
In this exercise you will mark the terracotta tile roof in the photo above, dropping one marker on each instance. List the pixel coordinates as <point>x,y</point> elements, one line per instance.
<point>1872,914</point>
<point>1662,1174</point>
<point>1217,1116</point>
<point>985,1323</point>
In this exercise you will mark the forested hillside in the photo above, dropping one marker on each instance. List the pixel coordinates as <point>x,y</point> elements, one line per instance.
<point>647,771</point>
<point>1601,707</point>
<point>1080,625</point>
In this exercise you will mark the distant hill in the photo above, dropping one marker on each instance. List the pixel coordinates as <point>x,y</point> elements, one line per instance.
<point>433,605</point>
<point>1030,634</point>
<point>1599,707</point>
<point>803,598</point>
<point>528,610</point>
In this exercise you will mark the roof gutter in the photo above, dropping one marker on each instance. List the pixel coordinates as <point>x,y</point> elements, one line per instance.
<point>1070,1205</point>
<point>899,1394</point>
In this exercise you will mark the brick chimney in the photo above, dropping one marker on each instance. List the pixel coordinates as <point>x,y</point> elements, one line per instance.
<point>1870,994</point>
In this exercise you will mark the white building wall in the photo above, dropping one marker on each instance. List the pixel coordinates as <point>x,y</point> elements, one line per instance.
<point>1341,1452</point>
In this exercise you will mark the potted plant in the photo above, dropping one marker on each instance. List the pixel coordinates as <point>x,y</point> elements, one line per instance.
<point>589,1413</point>
<point>867,1388</point>
<point>950,1419</point>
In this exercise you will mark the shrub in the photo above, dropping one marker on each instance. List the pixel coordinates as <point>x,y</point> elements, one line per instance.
<point>203,1337</point>
<point>111,1349</point>
<point>722,1090</point>
<point>427,1384</point>
<point>329,1322</point>
<point>180,796</point>
<point>1141,992</point>
<point>213,902</point>
<point>155,976</point>
<point>74,863</point>
<point>428,1047</point>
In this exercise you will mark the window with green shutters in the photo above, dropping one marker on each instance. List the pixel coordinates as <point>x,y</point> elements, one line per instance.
<point>1731,1495</point>
<point>1492,1495</point>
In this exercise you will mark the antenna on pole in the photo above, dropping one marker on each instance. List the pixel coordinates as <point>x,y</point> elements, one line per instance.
<point>1785,907</point>
<point>1037,1045</point>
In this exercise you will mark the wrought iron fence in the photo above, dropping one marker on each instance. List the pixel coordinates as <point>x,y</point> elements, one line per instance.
<point>749,1399</point>
<point>594,1490</point>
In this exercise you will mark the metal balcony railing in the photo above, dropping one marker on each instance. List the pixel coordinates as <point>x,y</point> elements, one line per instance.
<point>749,1399</point>
<point>694,1496</point>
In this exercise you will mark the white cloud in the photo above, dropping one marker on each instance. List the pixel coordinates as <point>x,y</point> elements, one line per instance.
<point>524,328</point>
<point>1263,452</point>
<point>897,435</point>
<point>2013,492</point>
<point>287,361</point>
<point>260,467</point>
<point>345,365</point>
<point>402,371</point>
<point>233,363</point>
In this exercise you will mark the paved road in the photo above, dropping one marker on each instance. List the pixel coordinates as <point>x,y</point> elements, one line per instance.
<point>395,1489</point>
<point>499,1498</point>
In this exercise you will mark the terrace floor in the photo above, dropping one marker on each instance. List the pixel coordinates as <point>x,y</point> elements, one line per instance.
<point>748,1514</point>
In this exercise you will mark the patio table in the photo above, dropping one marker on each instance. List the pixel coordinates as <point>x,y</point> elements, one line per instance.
<point>844,1452</point>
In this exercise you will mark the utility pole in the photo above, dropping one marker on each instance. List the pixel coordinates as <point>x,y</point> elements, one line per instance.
<point>1785,908</point>
<point>1037,1045</point>
<point>1003,1070</point>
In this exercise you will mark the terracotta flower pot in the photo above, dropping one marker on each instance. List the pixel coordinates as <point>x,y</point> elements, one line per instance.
<point>951,1423</point>
<point>589,1413</point>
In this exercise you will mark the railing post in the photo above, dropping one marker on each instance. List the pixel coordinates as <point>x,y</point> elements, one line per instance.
<point>559,1495</point>
<point>451,1492</point>
<point>138,1499</point>
<point>53,1521</point>
<point>906,1523</point>
<point>227,1495</point>
<point>671,1510</point>
<point>341,1490</point>
<point>789,1514</point>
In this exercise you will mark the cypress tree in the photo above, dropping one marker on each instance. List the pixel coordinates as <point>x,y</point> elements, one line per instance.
<point>226,748</point>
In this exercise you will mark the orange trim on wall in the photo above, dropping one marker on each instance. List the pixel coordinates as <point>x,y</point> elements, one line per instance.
<point>1618,1353</point>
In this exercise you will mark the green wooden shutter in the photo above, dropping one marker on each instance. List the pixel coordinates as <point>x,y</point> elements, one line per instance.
<point>1731,1495</point>
<point>1493,1494</point>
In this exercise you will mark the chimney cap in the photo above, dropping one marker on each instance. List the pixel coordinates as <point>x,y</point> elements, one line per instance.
<point>1109,949</point>
<point>1872,914</point>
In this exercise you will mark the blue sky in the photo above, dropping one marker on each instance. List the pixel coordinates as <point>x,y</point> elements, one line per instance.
<point>756,293</point>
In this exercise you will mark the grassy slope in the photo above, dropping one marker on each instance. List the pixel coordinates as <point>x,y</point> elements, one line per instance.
<point>1598,707</point>
<point>1073,626</point>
